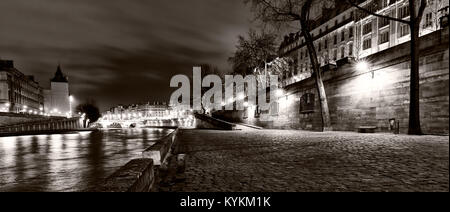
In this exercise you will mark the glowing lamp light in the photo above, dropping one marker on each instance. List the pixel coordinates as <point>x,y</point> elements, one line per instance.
<point>245,104</point>
<point>241,96</point>
<point>280,92</point>
<point>362,65</point>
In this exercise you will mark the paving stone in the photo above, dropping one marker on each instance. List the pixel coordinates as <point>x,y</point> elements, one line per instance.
<point>277,160</point>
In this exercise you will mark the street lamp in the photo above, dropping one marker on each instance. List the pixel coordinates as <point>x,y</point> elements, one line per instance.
<point>279,93</point>
<point>362,65</point>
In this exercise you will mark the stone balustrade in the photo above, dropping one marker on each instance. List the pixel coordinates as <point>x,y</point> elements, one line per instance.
<point>56,124</point>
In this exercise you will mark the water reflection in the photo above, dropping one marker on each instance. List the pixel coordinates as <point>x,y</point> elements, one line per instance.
<point>73,162</point>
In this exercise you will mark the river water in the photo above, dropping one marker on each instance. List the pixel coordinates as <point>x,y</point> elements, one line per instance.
<point>69,162</point>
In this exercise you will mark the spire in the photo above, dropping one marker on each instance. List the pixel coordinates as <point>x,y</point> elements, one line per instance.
<point>59,76</point>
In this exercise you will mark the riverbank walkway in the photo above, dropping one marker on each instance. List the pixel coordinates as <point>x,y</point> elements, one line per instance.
<point>282,160</point>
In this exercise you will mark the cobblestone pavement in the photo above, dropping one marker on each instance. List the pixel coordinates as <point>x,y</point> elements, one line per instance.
<point>280,161</point>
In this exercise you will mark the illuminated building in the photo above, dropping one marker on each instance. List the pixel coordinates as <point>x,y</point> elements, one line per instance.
<point>346,32</point>
<point>57,98</point>
<point>375,90</point>
<point>157,111</point>
<point>19,93</point>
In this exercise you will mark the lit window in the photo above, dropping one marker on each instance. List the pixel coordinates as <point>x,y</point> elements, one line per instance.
<point>403,12</point>
<point>428,20</point>
<point>403,30</point>
<point>367,44</point>
<point>383,37</point>
<point>367,28</point>
<point>382,22</point>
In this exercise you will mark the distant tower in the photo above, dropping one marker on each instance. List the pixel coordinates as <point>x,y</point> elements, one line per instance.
<point>59,89</point>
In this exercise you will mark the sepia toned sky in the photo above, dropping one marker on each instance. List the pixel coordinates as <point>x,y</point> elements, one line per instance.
<point>119,51</point>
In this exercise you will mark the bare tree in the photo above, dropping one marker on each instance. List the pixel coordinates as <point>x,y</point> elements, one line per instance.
<point>416,10</point>
<point>281,12</point>
<point>253,52</point>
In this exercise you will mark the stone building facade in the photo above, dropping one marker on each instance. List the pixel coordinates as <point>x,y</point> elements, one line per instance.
<point>346,32</point>
<point>19,93</point>
<point>57,98</point>
<point>376,96</point>
<point>156,111</point>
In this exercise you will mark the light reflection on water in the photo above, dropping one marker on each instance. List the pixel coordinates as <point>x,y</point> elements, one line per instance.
<point>69,162</point>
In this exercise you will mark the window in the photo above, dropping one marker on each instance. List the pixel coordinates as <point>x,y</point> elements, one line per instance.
<point>384,3</point>
<point>383,37</point>
<point>403,12</point>
<point>350,49</point>
<point>335,54</point>
<point>403,30</point>
<point>342,52</point>
<point>326,44</point>
<point>382,22</point>
<point>320,46</point>
<point>301,55</point>
<point>343,35</point>
<point>335,39</point>
<point>367,44</point>
<point>428,20</point>
<point>307,103</point>
<point>350,32</point>
<point>367,28</point>
<point>335,22</point>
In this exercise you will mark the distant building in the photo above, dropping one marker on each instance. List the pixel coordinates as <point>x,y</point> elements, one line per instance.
<point>19,93</point>
<point>157,111</point>
<point>57,99</point>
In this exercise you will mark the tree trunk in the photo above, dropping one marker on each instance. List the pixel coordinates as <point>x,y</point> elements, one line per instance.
<point>414,107</point>
<point>325,112</point>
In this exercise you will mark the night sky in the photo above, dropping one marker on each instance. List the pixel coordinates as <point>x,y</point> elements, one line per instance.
<point>119,51</point>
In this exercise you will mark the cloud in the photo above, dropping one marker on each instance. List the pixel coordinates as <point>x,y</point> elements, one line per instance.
<point>119,51</point>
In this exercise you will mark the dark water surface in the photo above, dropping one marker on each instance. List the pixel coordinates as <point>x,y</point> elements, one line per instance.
<point>71,162</point>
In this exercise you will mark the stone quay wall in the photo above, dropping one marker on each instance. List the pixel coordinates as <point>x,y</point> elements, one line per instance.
<point>14,118</point>
<point>377,97</point>
<point>140,175</point>
<point>136,176</point>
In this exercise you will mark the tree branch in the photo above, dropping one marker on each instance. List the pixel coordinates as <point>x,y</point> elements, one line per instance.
<point>423,5</point>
